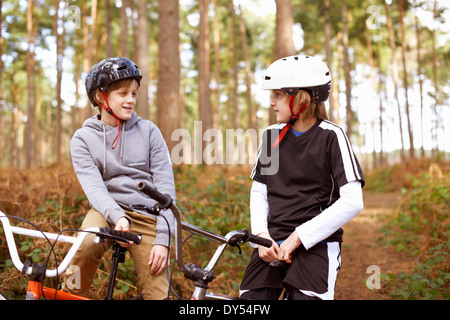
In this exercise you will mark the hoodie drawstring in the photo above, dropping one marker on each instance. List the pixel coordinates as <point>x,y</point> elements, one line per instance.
<point>122,138</point>
<point>108,109</point>
<point>104,147</point>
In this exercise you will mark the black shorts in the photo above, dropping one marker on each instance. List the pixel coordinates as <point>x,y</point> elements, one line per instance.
<point>312,271</point>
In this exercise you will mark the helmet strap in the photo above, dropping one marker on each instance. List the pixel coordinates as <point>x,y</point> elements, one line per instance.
<point>291,104</point>
<point>109,111</point>
<point>292,120</point>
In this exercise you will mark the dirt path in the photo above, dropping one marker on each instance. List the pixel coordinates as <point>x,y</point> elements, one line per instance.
<point>360,250</point>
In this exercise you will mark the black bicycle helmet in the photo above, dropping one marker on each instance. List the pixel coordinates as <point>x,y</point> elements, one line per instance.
<point>107,71</point>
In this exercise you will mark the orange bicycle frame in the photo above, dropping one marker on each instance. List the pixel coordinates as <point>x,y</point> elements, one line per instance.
<point>35,291</point>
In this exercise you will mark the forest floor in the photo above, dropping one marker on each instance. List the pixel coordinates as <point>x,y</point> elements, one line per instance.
<point>216,198</point>
<point>361,249</point>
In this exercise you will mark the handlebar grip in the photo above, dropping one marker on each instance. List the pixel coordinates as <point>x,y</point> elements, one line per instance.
<point>164,200</point>
<point>259,240</point>
<point>136,238</point>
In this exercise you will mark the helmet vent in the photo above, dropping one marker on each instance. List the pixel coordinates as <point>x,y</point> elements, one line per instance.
<point>122,67</point>
<point>267,78</point>
<point>328,73</point>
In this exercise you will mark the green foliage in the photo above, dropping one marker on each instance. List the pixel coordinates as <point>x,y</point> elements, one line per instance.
<point>215,199</point>
<point>421,230</point>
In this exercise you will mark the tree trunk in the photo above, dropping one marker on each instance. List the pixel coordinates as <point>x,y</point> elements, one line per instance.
<point>94,36</point>
<point>87,55</point>
<point>335,89</point>
<point>405,77</point>
<point>2,119</point>
<point>372,82</point>
<point>380,96</point>
<point>168,70</point>
<point>395,74</point>
<point>29,140</point>
<point>284,43</point>
<point>203,75</point>
<point>109,49</point>
<point>59,58</point>
<point>143,59</point>
<point>248,75</point>
<point>327,32</point>
<point>123,52</point>
<point>348,80</point>
<point>235,107</point>
<point>435,83</point>
<point>15,116</point>
<point>204,66</point>
<point>216,104</point>
<point>74,114</point>
<point>419,72</point>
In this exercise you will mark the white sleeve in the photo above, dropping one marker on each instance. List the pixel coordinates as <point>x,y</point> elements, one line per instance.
<point>349,204</point>
<point>259,208</point>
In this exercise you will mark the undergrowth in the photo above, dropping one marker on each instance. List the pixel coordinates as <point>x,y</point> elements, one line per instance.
<point>420,229</point>
<point>213,198</point>
<point>216,198</point>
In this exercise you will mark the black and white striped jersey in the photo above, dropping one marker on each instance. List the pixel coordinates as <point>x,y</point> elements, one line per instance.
<point>303,174</point>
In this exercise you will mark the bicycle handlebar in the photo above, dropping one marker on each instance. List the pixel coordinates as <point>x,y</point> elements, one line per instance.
<point>101,233</point>
<point>164,200</point>
<point>248,237</point>
<point>120,235</point>
<point>233,238</point>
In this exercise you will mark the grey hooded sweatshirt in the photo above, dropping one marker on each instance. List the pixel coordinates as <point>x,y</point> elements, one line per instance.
<point>110,176</point>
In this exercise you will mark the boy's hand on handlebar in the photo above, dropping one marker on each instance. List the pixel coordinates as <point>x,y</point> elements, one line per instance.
<point>158,259</point>
<point>123,225</point>
<point>268,254</point>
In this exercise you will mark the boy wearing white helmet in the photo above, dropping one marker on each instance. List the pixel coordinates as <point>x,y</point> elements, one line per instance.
<point>315,191</point>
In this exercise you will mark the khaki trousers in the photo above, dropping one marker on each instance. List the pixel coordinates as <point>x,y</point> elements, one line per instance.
<point>81,272</point>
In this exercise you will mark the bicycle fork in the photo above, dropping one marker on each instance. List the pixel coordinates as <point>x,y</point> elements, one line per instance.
<point>34,287</point>
<point>200,289</point>
<point>36,290</point>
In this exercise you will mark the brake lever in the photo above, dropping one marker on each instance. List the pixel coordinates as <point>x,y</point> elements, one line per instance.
<point>153,210</point>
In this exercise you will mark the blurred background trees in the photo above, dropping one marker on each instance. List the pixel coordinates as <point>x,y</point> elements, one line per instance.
<point>203,60</point>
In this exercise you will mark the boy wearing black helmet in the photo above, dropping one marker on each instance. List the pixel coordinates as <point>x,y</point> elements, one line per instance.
<point>316,190</point>
<point>111,154</point>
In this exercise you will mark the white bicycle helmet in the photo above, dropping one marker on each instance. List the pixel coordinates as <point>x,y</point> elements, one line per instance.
<point>299,72</point>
